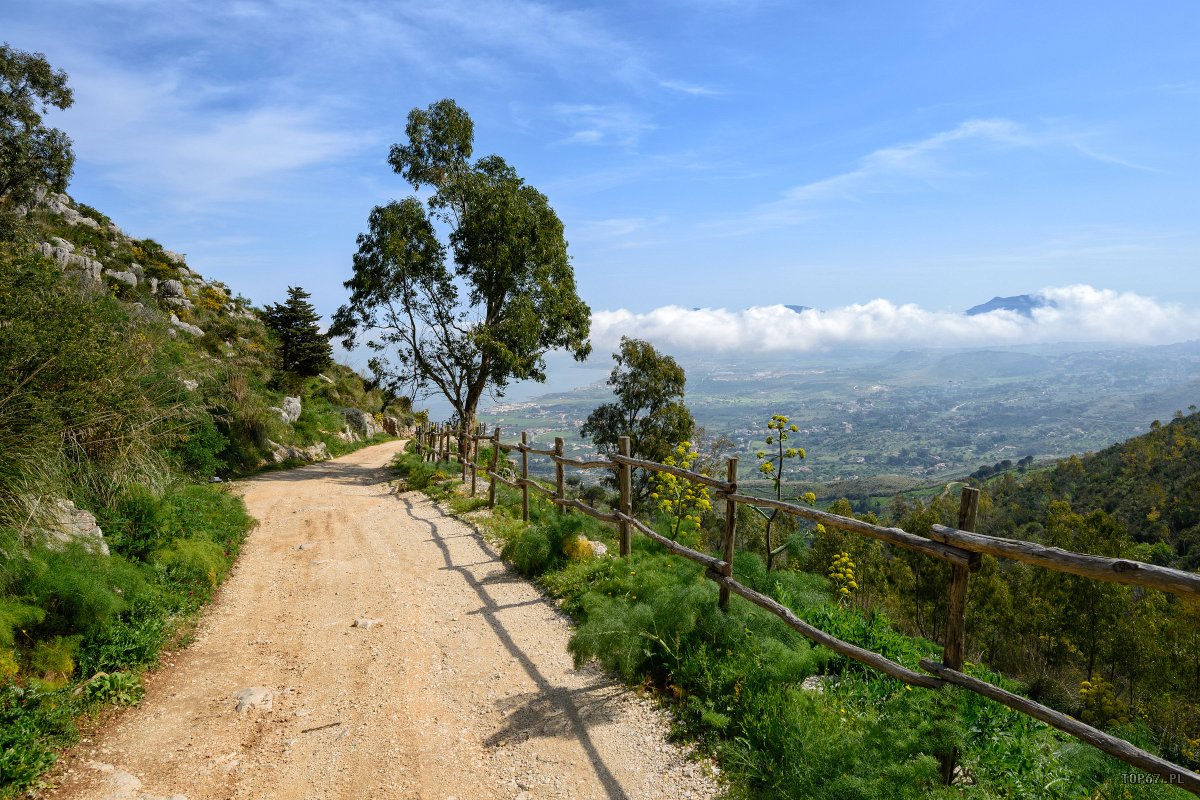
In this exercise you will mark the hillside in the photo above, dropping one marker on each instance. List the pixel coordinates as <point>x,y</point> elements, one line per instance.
<point>131,388</point>
<point>1149,484</point>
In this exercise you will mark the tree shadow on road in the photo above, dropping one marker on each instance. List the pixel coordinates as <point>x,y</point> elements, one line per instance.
<point>551,710</point>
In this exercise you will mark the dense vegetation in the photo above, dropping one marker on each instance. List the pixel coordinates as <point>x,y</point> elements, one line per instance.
<point>785,719</point>
<point>129,388</point>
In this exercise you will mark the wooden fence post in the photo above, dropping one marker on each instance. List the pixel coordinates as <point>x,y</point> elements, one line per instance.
<point>462,452</point>
<point>495,465</point>
<point>625,482</point>
<point>475,454</point>
<point>560,489</point>
<point>730,531</point>
<point>524,476</point>
<point>953,653</point>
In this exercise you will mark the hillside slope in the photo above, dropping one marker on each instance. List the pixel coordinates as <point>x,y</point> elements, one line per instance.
<point>130,387</point>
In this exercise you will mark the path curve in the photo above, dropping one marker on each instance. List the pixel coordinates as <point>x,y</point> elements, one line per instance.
<point>462,688</point>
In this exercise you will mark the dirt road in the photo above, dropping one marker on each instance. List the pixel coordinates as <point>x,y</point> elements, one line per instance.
<point>457,685</point>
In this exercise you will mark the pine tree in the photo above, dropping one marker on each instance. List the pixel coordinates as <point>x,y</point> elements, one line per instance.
<point>303,349</point>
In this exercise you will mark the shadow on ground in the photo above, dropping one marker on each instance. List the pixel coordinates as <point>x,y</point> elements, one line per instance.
<point>551,710</point>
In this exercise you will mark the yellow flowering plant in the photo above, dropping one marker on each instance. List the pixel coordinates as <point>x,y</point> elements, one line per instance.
<point>680,501</point>
<point>841,573</point>
<point>772,465</point>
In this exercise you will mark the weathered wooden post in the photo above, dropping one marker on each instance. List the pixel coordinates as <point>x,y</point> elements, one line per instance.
<point>462,452</point>
<point>560,489</point>
<point>495,465</point>
<point>953,653</point>
<point>445,442</point>
<point>625,482</point>
<point>730,531</point>
<point>524,476</point>
<point>475,454</point>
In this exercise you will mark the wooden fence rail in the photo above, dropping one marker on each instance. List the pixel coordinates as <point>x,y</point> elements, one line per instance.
<point>960,547</point>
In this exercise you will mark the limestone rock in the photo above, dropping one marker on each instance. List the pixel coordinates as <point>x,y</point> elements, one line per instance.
<point>281,452</point>
<point>153,285</point>
<point>325,378</point>
<point>129,278</point>
<point>254,698</point>
<point>394,427</point>
<point>599,549</point>
<point>185,326</point>
<point>70,525</point>
<point>361,423</point>
<point>365,623</point>
<point>190,384</point>
<point>290,410</point>
<point>171,288</point>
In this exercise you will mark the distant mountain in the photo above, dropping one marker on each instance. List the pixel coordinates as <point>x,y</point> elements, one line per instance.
<point>798,309</point>
<point>1023,304</point>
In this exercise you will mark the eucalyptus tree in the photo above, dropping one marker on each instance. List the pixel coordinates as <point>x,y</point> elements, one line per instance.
<point>481,309</point>
<point>31,154</point>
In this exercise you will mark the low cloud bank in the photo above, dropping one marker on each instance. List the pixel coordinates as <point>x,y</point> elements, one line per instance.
<point>1077,313</point>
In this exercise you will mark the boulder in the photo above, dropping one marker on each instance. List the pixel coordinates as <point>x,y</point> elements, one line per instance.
<point>291,409</point>
<point>129,278</point>
<point>70,525</point>
<point>184,326</point>
<point>172,288</point>
<point>153,285</point>
<point>282,452</point>
<point>361,423</point>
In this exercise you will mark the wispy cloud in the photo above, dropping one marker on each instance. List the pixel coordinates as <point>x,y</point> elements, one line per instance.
<point>602,124</point>
<point>910,166</point>
<point>153,133</point>
<point>690,88</point>
<point>1072,313</point>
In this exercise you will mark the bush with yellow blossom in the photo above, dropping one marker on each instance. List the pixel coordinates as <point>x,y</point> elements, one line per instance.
<point>841,573</point>
<point>680,501</point>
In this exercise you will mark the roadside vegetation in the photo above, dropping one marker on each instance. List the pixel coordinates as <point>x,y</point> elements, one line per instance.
<point>123,410</point>
<point>782,718</point>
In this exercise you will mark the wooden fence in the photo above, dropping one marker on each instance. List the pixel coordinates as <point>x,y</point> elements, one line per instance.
<point>960,547</point>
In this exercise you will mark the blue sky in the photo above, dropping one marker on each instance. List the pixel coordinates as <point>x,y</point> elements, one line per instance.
<point>893,163</point>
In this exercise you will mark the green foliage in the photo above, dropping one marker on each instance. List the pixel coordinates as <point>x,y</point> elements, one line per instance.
<point>649,408</point>
<point>510,258</point>
<point>117,688</point>
<point>681,502</point>
<point>31,155</point>
<point>303,349</point>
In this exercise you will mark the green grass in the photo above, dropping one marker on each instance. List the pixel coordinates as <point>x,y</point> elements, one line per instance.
<point>733,681</point>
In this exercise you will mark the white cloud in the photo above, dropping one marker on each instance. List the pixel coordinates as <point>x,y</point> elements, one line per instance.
<point>1078,313</point>
<point>684,87</point>
<point>159,136</point>
<point>913,165</point>
<point>602,124</point>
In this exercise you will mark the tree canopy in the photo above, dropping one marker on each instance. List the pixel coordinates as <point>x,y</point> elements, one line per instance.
<point>303,349</point>
<point>485,316</point>
<point>649,407</point>
<point>31,155</point>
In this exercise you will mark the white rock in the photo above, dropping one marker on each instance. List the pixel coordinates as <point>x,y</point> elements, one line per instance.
<point>69,525</point>
<point>254,698</point>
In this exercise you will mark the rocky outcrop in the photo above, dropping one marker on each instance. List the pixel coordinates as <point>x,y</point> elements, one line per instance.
<point>361,423</point>
<point>392,426</point>
<point>290,411</point>
<point>282,452</point>
<point>70,525</point>
<point>129,278</point>
<point>185,326</point>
